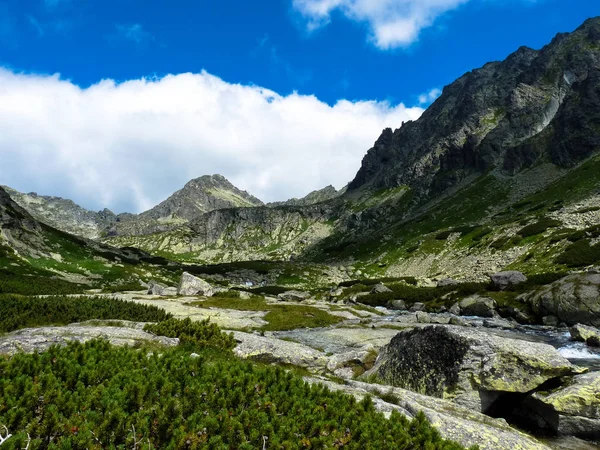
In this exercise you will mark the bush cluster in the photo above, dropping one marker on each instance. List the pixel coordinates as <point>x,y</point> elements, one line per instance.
<point>201,334</point>
<point>538,227</point>
<point>23,312</point>
<point>96,396</point>
<point>580,253</point>
<point>14,283</point>
<point>374,281</point>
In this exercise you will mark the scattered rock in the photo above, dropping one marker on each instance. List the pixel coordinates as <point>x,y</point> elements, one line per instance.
<point>455,309</point>
<point>417,307</point>
<point>467,365</point>
<point>380,289</point>
<point>502,280</point>
<point>398,305</point>
<point>191,285</point>
<point>587,334</point>
<point>447,282</point>
<point>293,296</point>
<point>423,317</point>
<point>477,306</point>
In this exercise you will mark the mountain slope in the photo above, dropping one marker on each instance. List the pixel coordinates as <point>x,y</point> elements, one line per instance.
<point>314,197</point>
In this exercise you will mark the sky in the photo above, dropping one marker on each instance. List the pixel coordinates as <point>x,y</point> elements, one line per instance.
<point>118,103</point>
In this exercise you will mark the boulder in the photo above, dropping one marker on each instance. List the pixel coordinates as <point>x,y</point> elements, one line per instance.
<point>574,409</point>
<point>498,322</point>
<point>417,307</point>
<point>550,321</point>
<point>170,291</point>
<point>573,299</point>
<point>191,285</point>
<point>503,280</point>
<point>455,309</point>
<point>155,288</point>
<point>423,317</point>
<point>398,305</point>
<point>380,288</point>
<point>584,333</point>
<point>467,365</point>
<point>293,296</point>
<point>477,306</point>
<point>352,358</point>
<point>447,282</point>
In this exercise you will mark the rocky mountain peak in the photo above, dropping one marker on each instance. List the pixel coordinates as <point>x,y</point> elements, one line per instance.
<point>508,115</point>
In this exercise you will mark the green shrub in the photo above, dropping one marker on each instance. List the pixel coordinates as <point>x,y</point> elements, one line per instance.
<point>97,396</point>
<point>481,233</point>
<point>201,334</point>
<point>538,227</point>
<point>22,312</point>
<point>374,281</point>
<point>580,253</point>
<point>16,283</point>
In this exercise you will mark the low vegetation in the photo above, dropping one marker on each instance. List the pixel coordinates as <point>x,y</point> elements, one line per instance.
<point>200,334</point>
<point>23,312</point>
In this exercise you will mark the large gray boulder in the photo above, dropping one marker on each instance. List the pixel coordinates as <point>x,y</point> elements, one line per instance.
<point>469,366</point>
<point>584,333</point>
<point>573,299</point>
<point>503,280</point>
<point>574,409</point>
<point>477,306</point>
<point>191,285</point>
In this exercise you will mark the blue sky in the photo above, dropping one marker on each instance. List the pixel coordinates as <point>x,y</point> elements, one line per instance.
<point>378,54</point>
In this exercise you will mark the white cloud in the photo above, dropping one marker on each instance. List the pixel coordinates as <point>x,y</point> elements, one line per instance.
<point>134,32</point>
<point>429,97</point>
<point>392,23</point>
<point>129,146</point>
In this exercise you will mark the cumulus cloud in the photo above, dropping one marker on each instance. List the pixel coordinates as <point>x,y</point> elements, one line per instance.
<point>391,23</point>
<point>429,97</point>
<point>128,146</point>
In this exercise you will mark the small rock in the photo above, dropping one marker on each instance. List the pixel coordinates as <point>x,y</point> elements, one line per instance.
<point>293,296</point>
<point>455,320</point>
<point>346,373</point>
<point>194,355</point>
<point>499,323</point>
<point>550,321</point>
<point>455,309</point>
<point>422,317</point>
<point>502,280</point>
<point>398,305</point>
<point>447,282</point>
<point>477,306</point>
<point>155,288</point>
<point>417,307</point>
<point>380,289</point>
<point>587,334</point>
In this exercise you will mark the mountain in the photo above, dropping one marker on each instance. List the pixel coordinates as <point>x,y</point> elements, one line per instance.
<point>64,214</point>
<point>535,106</point>
<point>493,175</point>
<point>314,197</point>
<point>198,196</point>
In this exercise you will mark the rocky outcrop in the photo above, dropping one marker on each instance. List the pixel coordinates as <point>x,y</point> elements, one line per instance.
<point>455,423</point>
<point>191,285</point>
<point>31,340</point>
<point>503,280</point>
<point>584,333</point>
<point>573,299</point>
<point>318,196</point>
<point>470,366</point>
<point>476,305</point>
<point>574,409</point>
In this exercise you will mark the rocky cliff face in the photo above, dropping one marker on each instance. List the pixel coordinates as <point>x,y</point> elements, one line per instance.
<point>534,106</point>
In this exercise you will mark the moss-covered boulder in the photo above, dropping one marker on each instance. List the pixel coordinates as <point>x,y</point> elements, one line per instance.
<point>574,409</point>
<point>471,367</point>
<point>587,334</point>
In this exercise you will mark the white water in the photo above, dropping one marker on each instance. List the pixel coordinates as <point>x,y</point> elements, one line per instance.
<point>577,351</point>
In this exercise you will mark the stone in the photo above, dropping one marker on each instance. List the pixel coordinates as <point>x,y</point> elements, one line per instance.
<point>455,309</point>
<point>587,334</point>
<point>550,321</point>
<point>272,350</point>
<point>169,291</point>
<point>417,307</point>
<point>455,320</point>
<point>467,364</point>
<point>192,285</point>
<point>293,296</point>
<point>353,357</point>
<point>573,299</point>
<point>380,288</point>
<point>477,306</point>
<point>423,317</point>
<point>155,288</point>
<point>447,282</point>
<point>575,407</point>
<point>503,280</point>
<point>498,322</point>
<point>398,305</point>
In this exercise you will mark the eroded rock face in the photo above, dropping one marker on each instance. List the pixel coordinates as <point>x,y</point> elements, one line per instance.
<point>584,333</point>
<point>573,299</point>
<point>461,364</point>
<point>191,285</point>
<point>576,406</point>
